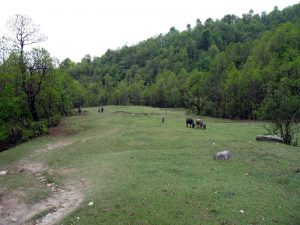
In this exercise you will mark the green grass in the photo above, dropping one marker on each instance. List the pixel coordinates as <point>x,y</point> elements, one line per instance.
<point>140,171</point>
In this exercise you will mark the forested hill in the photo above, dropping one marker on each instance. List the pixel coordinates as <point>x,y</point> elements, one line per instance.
<point>241,68</point>
<point>218,68</point>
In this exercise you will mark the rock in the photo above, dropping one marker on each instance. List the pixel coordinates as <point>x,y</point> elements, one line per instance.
<point>3,172</point>
<point>91,204</point>
<point>224,155</point>
<point>274,138</point>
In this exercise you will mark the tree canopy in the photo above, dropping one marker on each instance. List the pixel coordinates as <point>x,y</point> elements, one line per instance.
<point>235,67</point>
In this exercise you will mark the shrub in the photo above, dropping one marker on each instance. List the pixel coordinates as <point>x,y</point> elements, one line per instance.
<point>39,127</point>
<point>54,120</point>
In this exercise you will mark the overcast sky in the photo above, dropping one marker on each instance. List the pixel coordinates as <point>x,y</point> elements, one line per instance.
<point>78,27</point>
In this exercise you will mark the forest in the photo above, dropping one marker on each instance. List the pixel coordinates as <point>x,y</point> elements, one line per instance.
<point>237,68</point>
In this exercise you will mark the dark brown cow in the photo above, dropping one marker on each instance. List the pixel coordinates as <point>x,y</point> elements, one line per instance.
<point>190,121</point>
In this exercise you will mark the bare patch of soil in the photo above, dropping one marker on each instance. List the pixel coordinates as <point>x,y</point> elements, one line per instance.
<point>32,167</point>
<point>60,130</point>
<point>59,204</point>
<point>48,211</point>
<point>62,201</point>
<point>58,145</point>
<point>66,171</point>
<point>52,147</point>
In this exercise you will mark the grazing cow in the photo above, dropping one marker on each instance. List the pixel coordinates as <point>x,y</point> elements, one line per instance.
<point>190,121</point>
<point>201,124</point>
<point>102,109</point>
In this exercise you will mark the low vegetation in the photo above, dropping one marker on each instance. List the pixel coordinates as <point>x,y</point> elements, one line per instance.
<point>137,170</point>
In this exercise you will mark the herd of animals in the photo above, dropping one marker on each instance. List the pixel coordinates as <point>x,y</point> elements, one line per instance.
<point>190,123</point>
<point>223,155</point>
<point>199,123</point>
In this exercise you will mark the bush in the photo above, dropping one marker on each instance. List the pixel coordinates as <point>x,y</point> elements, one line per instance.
<point>3,133</point>
<point>282,109</point>
<point>15,135</point>
<point>9,135</point>
<point>39,128</point>
<point>54,120</point>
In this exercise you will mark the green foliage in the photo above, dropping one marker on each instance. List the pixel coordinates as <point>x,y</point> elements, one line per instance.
<point>282,108</point>
<point>222,68</point>
<point>33,93</point>
<point>10,109</point>
<point>39,127</point>
<point>54,120</point>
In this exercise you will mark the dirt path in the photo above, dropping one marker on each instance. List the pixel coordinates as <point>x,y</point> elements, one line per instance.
<point>49,211</point>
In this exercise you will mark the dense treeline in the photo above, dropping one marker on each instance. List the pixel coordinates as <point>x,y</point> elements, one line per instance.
<point>34,93</point>
<point>221,68</point>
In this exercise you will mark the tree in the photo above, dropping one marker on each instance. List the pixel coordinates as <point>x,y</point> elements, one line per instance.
<point>33,66</point>
<point>4,50</point>
<point>198,22</point>
<point>77,95</point>
<point>197,86</point>
<point>23,32</point>
<point>38,67</point>
<point>282,108</point>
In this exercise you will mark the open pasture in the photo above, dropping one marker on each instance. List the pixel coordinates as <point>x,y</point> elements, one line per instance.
<point>136,170</point>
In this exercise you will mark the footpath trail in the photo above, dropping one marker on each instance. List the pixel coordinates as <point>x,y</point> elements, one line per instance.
<point>60,202</point>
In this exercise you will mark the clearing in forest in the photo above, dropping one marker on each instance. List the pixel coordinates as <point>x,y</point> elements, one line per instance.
<point>127,167</point>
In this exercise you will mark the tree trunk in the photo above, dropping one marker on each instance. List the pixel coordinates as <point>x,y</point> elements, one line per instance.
<point>33,110</point>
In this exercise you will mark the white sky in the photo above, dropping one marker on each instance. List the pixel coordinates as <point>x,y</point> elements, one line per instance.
<point>78,27</point>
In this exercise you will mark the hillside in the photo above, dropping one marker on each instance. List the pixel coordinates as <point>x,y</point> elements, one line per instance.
<point>237,68</point>
<point>221,68</point>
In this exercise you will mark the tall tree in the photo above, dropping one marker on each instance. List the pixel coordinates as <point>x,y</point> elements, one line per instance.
<point>39,65</point>
<point>33,66</point>
<point>282,108</point>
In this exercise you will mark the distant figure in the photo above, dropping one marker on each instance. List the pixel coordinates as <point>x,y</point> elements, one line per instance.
<point>102,109</point>
<point>200,124</point>
<point>163,119</point>
<point>190,121</point>
<point>99,110</point>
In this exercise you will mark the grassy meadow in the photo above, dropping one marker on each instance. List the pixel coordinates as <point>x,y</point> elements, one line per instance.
<point>137,170</point>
